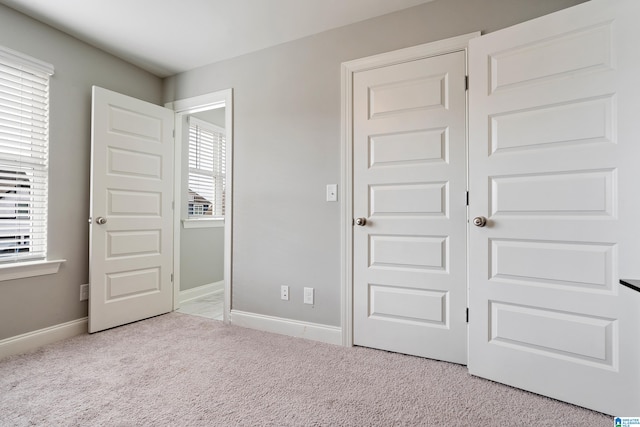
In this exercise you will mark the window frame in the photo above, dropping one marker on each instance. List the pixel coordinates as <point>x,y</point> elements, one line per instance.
<point>16,66</point>
<point>219,188</point>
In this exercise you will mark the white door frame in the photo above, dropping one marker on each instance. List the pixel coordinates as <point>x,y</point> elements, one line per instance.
<point>441,47</point>
<point>182,108</point>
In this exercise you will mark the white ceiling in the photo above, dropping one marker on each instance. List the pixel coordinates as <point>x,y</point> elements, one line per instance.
<point>166,37</point>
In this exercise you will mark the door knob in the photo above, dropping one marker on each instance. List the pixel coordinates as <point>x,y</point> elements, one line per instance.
<point>479,221</point>
<point>101,220</point>
<point>361,221</point>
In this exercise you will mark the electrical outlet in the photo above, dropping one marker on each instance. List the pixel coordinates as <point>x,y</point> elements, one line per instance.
<point>308,295</point>
<point>84,292</point>
<point>284,292</point>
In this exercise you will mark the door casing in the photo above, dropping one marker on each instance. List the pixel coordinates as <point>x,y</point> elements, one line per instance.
<point>183,107</point>
<point>454,44</point>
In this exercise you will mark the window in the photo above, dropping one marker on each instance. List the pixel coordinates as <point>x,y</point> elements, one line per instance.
<point>24,150</point>
<point>206,170</point>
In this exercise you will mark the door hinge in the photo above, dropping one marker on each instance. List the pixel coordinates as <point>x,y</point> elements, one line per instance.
<point>467,198</point>
<point>466,82</point>
<point>174,133</point>
<point>172,282</point>
<point>467,314</point>
<point>173,205</point>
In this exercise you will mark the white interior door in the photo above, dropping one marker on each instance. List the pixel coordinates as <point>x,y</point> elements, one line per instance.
<point>409,185</point>
<point>554,150</point>
<point>131,210</point>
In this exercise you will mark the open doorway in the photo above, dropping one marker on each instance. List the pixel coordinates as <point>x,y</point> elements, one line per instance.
<point>203,201</point>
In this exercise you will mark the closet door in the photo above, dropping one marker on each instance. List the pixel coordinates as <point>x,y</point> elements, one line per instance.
<point>554,149</point>
<point>409,186</point>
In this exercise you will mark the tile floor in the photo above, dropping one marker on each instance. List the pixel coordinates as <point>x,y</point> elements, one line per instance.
<point>209,306</point>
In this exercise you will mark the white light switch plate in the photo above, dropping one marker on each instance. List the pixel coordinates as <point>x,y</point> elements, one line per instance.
<point>332,192</point>
<point>308,295</point>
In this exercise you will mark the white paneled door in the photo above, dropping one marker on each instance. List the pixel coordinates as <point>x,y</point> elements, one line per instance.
<point>554,160</point>
<point>131,209</point>
<point>409,187</point>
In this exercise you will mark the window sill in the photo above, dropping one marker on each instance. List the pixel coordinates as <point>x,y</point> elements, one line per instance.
<point>203,223</point>
<point>20,270</point>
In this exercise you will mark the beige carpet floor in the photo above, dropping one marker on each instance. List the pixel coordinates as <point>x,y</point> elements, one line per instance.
<point>181,370</point>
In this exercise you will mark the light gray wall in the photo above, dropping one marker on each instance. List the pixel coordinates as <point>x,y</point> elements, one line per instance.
<point>287,140</point>
<point>35,303</point>
<point>201,256</point>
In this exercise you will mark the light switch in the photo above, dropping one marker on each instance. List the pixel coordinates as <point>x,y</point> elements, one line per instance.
<point>332,192</point>
<point>308,296</point>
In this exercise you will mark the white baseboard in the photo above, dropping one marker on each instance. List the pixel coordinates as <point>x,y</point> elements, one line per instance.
<point>200,291</point>
<point>294,328</point>
<point>32,340</point>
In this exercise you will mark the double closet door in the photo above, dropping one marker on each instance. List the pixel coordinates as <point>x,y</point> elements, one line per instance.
<point>550,165</point>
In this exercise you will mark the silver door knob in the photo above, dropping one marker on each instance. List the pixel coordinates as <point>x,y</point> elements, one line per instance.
<point>101,220</point>
<point>361,221</point>
<point>479,221</point>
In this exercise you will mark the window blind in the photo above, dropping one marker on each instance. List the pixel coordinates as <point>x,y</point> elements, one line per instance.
<point>207,169</point>
<point>24,149</point>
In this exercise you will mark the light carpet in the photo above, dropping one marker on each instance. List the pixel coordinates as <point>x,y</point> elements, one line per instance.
<point>181,370</point>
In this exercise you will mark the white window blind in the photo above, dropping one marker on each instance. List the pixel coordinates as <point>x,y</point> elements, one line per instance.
<point>24,149</point>
<point>207,174</point>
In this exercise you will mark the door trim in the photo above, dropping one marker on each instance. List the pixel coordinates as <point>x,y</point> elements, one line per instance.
<point>348,69</point>
<point>181,108</point>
